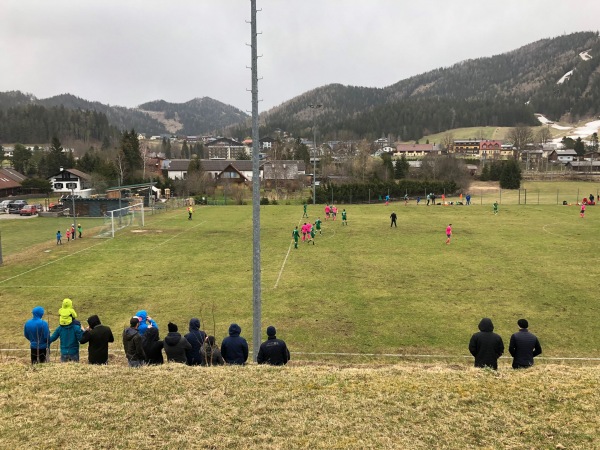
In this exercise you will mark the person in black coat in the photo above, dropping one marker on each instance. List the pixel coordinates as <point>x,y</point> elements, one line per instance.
<point>98,336</point>
<point>152,347</point>
<point>523,346</point>
<point>273,351</point>
<point>196,338</point>
<point>234,348</point>
<point>175,345</point>
<point>486,346</point>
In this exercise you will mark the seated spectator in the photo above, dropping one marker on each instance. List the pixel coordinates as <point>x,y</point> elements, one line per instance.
<point>196,338</point>
<point>212,354</point>
<point>98,336</point>
<point>132,344</point>
<point>486,346</point>
<point>273,351</point>
<point>234,348</point>
<point>176,345</point>
<point>152,346</point>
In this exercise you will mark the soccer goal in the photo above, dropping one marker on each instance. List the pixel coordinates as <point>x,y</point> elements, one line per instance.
<point>117,219</point>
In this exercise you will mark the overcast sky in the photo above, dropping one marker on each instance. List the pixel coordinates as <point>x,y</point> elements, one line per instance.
<point>127,52</point>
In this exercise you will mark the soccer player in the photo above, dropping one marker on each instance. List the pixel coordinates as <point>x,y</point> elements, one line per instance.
<point>296,236</point>
<point>190,212</point>
<point>334,211</point>
<point>304,231</point>
<point>305,213</point>
<point>405,199</point>
<point>318,225</point>
<point>327,211</point>
<point>393,217</point>
<point>448,233</point>
<point>68,234</point>
<point>582,212</point>
<point>387,199</point>
<point>344,218</point>
<point>311,235</point>
<point>79,230</point>
<point>58,238</point>
<point>496,207</point>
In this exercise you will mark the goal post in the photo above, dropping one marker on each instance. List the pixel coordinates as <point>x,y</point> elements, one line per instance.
<point>118,219</point>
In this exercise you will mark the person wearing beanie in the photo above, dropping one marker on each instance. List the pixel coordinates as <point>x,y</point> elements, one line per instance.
<point>175,345</point>
<point>98,336</point>
<point>196,338</point>
<point>486,346</point>
<point>234,348</point>
<point>132,343</point>
<point>38,334</point>
<point>273,351</point>
<point>523,346</point>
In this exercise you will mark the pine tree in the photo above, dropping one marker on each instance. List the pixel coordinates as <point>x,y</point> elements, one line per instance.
<point>510,178</point>
<point>401,168</point>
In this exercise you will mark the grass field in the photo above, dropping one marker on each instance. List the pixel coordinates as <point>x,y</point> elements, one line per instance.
<point>362,290</point>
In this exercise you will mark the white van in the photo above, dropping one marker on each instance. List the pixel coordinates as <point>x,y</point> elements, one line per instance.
<point>4,205</point>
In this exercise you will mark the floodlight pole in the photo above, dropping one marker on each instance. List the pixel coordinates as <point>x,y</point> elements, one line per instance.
<point>256,288</point>
<point>314,107</point>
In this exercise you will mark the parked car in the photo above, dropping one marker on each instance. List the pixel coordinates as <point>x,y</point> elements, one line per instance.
<point>16,206</point>
<point>29,210</point>
<point>4,205</point>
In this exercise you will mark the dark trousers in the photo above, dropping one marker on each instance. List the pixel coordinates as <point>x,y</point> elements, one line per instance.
<point>393,223</point>
<point>39,355</point>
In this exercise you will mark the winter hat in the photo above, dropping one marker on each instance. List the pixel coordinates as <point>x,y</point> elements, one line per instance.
<point>172,327</point>
<point>523,323</point>
<point>134,321</point>
<point>271,331</point>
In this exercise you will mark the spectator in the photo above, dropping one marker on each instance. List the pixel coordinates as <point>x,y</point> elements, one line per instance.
<point>98,336</point>
<point>273,351</point>
<point>145,321</point>
<point>176,345</point>
<point>69,336</point>
<point>486,346</point>
<point>132,343</point>
<point>153,347</point>
<point>523,346</point>
<point>196,338</point>
<point>234,348</point>
<point>38,334</point>
<point>212,354</point>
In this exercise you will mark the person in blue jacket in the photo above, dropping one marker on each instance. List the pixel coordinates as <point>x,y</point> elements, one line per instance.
<point>69,335</point>
<point>38,334</point>
<point>234,348</point>
<point>145,321</point>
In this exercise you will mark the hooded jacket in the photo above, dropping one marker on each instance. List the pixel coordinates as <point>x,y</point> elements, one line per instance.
<point>234,348</point>
<point>143,316</point>
<point>132,343</point>
<point>196,338</point>
<point>36,330</point>
<point>274,352</point>
<point>69,335</point>
<point>153,347</point>
<point>486,346</point>
<point>66,313</point>
<point>98,337</point>
<point>176,346</point>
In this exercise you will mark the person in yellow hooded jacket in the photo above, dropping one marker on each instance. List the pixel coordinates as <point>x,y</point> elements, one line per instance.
<point>66,313</point>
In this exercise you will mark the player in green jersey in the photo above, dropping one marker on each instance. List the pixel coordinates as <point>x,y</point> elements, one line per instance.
<point>344,218</point>
<point>318,225</point>
<point>296,236</point>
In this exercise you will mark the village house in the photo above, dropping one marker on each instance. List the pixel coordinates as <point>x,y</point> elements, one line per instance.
<point>71,181</point>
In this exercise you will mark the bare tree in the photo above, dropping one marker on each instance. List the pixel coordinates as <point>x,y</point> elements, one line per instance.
<point>447,141</point>
<point>521,135</point>
<point>543,135</point>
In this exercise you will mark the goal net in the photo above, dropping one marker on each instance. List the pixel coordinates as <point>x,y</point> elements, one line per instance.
<point>117,219</point>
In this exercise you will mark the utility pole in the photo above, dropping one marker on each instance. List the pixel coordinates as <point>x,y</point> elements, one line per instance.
<point>256,288</point>
<point>314,108</point>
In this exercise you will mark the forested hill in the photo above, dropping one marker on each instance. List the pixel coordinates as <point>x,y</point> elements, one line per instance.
<point>27,119</point>
<point>501,90</point>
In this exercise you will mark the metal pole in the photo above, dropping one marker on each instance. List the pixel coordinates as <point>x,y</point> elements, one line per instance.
<point>256,288</point>
<point>73,200</point>
<point>314,108</point>
<point>1,262</point>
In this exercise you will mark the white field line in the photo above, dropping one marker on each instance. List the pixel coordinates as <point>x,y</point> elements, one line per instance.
<point>285,259</point>
<point>51,262</point>
<point>177,235</point>
<point>394,355</point>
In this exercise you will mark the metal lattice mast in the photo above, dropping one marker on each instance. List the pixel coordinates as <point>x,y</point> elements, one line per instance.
<point>256,288</point>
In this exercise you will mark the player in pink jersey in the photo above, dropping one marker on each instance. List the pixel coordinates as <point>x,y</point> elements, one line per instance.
<point>304,232</point>
<point>327,211</point>
<point>448,233</point>
<point>334,211</point>
<point>582,212</point>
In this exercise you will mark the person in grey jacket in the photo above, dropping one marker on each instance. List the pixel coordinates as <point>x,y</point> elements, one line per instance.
<point>175,345</point>
<point>524,346</point>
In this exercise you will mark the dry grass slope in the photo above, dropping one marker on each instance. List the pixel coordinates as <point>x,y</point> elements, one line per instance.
<point>410,405</point>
